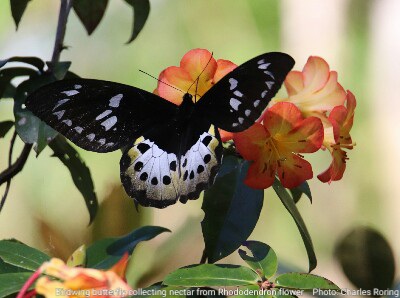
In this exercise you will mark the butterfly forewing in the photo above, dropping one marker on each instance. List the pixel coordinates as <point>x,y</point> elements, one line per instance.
<point>239,98</point>
<point>98,115</point>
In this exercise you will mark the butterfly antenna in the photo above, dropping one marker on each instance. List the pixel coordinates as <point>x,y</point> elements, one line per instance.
<point>161,81</point>
<point>198,77</point>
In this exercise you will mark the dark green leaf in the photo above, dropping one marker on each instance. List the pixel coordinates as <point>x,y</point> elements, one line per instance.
<point>303,281</point>
<point>231,211</point>
<point>17,10</point>
<point>5,126</point>
<point>367,259</point>
<point>251,291</point>
<point>212,275</point>
<point>21,255</point>
<point>30,128</point>
<point>298,191</point>
<point>8,268</point>
<point>34,61</point>
<point>262,260</point>
<point>60,69</point>
<point>141,9</point>
<point>105,253</point>
<point>7,74</point>
<point>79,171</point>
<point>12,283</point>
<point>289,204</point>
<point>90,12</point>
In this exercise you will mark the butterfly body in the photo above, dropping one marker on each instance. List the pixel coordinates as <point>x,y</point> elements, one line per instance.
<point>170,152</point>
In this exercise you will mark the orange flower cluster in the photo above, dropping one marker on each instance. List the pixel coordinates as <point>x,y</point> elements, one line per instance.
<point>311,117</point>
<point>61,280</point>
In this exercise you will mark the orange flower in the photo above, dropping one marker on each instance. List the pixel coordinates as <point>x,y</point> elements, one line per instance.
<point>274,146</point>
<point>341,119</point>
<point>184,78</point>
<point>315,90</point>
<point>64,281</point>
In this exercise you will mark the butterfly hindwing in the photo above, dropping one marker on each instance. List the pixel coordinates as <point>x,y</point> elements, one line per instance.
<point>160,175</point>
<point>238,99</point>
<point>200,164</point>
<point>98,115</point>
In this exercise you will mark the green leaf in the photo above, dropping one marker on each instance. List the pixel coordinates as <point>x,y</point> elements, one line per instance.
<point>21,255</point>
<point>263,258</point>
<point>231,211</point>
<point>105,253</point>
<point>12,283</point>
<point>17,9</point>
<point>367,259</point>
<point>5,126</point>
<point>304,281</point>
<point>34,61</point>
<point>90,12</point>
<point>79,171</point>
<point>289,204</point>
<point>29,127</point>
<point>7,74</point>
<point>212,275</point>
<point>8,268</point>
<point>141,10</point>
<point>60,69</point>
<point>298,191</point>
<point>251,291</point>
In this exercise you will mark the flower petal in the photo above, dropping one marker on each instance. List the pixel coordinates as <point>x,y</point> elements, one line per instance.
<point>194,63</point>
<point>306,137</point>
<point>260,175</point>
<point>223,68</point>
<point>315,74</point>
<point>294,82</point>
<point>336,168</point>
<point>225,135</point>
<point>281,118</point>
<point>176,77</point>
<point>294,171</point>
<point>250,142</point>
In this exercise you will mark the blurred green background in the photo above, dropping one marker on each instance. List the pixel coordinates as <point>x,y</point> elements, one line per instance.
<point>359,38</point>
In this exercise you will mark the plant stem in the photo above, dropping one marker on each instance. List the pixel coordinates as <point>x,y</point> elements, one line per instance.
<point>65,9</point>
<point>15,168</point>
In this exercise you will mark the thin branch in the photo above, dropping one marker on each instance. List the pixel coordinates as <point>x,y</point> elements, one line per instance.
<point>12,142</point>
<point>65,9</point>
<point>15,168</point>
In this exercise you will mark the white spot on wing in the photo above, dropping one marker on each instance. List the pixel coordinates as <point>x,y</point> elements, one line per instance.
<point>67,122</point>
<point>256,103</point>
<point>77,86</point>
<point>262,61</point>
<point>70,92</point>
<point>264,66</point>
<point>241,120</point>
<point>233,83</point>
<point>264,93</point>
<point>102,141</point>
<point>114,101</point>
<point>78,129</point>
<point>269,84</point>
<point>238,93</point>
<point>235,124</point>
<point>104,114</point>
<point>110,122</point>
<point>234,103</point>
<point>247,113</point>
<point>91,137</point>
<point>59,114</point>
<point>61,102</point>
<point>270,74</point>
<point>109,144</point>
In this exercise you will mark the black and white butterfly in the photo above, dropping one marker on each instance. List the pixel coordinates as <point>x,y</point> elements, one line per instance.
<point>170,152</point>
